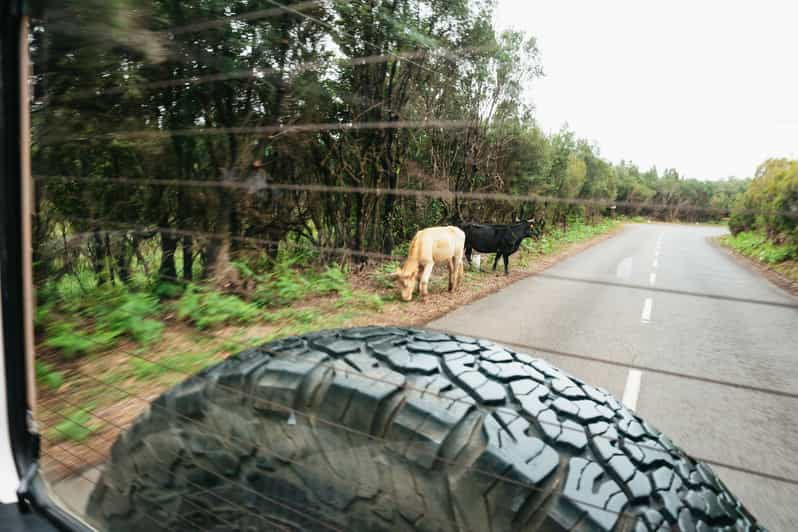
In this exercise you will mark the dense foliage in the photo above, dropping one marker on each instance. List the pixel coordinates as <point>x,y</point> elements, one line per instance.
<point>770,203</point>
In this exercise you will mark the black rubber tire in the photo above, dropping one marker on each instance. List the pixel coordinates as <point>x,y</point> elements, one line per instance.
<point>400,429</point>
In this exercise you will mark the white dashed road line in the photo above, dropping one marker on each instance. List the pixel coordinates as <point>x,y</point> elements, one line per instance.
<point>645,316</point>
<point>652,278</point>
<point>632,389</point>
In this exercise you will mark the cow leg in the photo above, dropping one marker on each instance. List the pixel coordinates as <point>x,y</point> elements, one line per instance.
<point>506,263</point>
<point>459,273</point>
<point>425,275</point>
<point>496,261</point>
<point>452,273</point>
<point>468,251</point>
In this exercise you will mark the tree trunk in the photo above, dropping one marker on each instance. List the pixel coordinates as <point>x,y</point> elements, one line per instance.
<point>123,261</point>
<point>97,253</point>
<point>167,270</point>
<point>188,258</point>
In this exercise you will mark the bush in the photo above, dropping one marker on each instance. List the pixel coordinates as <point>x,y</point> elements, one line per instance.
<point>67,337</point>
<point>287,284</point>
<point>48,376</point>
<point>770,204</point>
<point>95,320</point>
<point>757,246</point>
<point>132,318</point>
<point>209,308</point>
<point>77,425</point>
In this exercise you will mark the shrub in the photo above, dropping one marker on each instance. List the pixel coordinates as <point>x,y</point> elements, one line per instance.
<point>209,308</point>
<point>77,425</point>
<point>48,376</point>
<point>756,245</point>
<point>770,202</point>
<point>68,337</point>
<point>78,323</point>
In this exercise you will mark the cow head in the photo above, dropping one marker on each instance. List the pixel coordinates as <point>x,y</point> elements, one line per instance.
<point>536,226</point>
<point>405,283</point>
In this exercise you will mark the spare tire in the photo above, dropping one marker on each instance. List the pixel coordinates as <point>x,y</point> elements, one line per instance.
<point>400,429</point>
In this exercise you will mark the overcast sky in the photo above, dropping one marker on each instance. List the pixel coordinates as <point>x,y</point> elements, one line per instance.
<point>707,87</point>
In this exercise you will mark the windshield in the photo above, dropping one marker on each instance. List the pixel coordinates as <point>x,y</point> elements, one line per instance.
<point>477,193</point>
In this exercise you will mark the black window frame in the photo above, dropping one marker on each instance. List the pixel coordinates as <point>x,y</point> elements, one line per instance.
<point>24,441</point>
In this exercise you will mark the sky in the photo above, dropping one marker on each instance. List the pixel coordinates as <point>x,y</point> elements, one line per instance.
<point>707,87</point>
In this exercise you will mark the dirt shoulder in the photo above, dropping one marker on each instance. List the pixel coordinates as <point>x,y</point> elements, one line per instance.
<point>784,275</point>
<point>477,285</point>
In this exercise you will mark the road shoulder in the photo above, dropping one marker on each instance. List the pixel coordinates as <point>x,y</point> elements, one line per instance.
<point>766,270</point>
<point>439,302</point>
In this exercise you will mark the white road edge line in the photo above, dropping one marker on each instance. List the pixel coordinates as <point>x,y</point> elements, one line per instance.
<point>652,278</point>
<point>645,316</point>
<point>632,389</point>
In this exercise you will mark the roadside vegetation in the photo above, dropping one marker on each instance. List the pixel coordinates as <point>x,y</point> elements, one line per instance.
<point>764,220</point>
<point>91,382</point>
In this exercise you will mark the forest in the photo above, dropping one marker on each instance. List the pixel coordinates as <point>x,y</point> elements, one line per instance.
<point>210,128</point>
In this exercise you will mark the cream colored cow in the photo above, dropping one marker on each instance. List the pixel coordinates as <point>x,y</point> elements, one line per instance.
<point>430,246</point>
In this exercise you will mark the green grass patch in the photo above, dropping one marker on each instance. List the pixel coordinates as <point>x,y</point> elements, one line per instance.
<point>78,322</point>
<point>172,368</point>
<point>48,376</point>
<point>757,246</point>
<point>77,425</point>
<point>207,308</point>
<point>145,370</point>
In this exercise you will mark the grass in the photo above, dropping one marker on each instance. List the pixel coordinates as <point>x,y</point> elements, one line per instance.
<point>207,308</point>
<point>77,426</point>
<point>77,323</point>
<point>48,376</point>
<point>757,246</point>
<point>145,370</point>
<point>782,258</point>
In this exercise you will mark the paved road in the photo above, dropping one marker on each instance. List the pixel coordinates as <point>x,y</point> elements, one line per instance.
<point>752,344</point>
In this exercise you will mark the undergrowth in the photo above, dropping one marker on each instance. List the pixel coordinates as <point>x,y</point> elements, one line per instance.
<point>48,376</point>
<point>95,317</point>
<point>756,245</point>
<point>207,308</point>
<point>77,425</point>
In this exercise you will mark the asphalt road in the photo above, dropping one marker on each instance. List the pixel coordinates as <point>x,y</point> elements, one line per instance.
<point>658,325</point>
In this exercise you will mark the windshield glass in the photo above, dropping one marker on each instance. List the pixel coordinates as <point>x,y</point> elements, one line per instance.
<point>446,201</point>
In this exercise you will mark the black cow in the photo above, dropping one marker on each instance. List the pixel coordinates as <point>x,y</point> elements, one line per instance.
<point>504,240</point>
